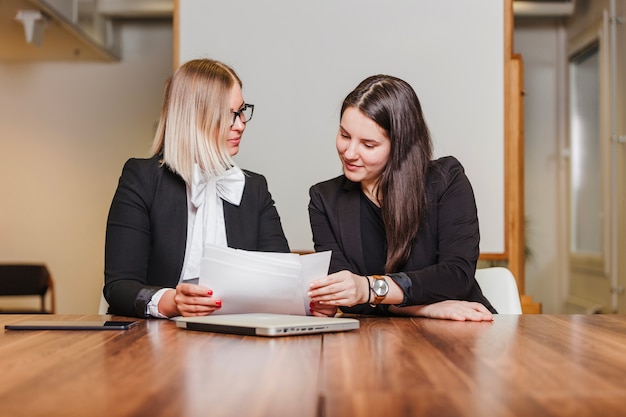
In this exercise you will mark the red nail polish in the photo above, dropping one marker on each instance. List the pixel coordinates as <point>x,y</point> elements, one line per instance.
<point>218,303</point>
<point>210,292</point>
<point>312,304</point>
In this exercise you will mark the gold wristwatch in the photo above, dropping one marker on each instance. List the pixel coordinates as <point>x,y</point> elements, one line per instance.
<point>380,288</point>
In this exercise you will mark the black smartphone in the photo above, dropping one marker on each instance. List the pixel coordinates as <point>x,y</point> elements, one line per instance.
<point>71,325</point>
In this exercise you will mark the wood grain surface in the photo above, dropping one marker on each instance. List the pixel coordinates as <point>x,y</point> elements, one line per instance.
<point>527,365</point>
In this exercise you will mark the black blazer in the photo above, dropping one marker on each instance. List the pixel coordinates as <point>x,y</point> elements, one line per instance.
<point>443,258</point>
<point>147,232</point>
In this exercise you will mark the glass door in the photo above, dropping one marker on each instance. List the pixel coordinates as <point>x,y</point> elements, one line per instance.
<point>589,176</point>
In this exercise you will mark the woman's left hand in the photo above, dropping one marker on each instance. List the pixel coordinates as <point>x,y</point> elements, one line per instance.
<point>448,310</point>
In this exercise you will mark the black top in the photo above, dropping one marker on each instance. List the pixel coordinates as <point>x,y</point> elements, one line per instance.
<point>373,236</point>
<point>443,257</point>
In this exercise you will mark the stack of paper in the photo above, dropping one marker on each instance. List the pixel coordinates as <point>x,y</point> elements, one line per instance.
<point>261,282</point>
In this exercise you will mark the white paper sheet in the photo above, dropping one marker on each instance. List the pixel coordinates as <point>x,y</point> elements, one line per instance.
<point>261,282</point>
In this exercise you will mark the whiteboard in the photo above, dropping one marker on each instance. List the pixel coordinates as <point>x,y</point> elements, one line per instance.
<point>298,60</point>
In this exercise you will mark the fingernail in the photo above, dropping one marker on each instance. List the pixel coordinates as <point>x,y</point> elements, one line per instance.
<point>312,304</point>
<point>218,303</point>
<point>210,292</point>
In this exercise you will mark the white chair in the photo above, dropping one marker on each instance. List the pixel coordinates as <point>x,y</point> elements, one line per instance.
<point>499,286</point>
<point>104,306</point>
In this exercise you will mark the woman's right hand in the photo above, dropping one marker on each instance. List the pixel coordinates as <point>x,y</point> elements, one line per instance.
<point>188,300</point>
<point>342,288</point>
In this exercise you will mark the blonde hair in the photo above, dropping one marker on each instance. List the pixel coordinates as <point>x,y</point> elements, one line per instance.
<point>195,118</point>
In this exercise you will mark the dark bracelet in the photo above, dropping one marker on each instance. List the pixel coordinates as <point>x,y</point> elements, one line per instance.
<point>369,289</point>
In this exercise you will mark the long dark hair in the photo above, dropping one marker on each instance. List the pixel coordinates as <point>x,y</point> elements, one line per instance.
<point>394,106</point>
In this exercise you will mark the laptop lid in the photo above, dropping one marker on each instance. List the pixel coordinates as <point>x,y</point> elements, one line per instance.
<point>266,324</point>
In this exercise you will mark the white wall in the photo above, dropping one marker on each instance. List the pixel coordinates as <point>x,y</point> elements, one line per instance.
<point>541,43</point>
<point>298,61</point>
<point>65,131</point>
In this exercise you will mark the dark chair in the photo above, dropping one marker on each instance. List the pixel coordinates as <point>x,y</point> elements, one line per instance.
<point>26,280</point>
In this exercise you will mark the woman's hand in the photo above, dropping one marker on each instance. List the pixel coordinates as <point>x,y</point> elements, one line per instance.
<point>321,310</point>
<point>342,288</point>
<point>188,300</point>
<point>448,310</point>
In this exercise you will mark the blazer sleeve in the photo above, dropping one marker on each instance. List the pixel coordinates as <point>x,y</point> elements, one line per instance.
<point>443,258</point>
<point>145,242</point>
<point>449,240</point>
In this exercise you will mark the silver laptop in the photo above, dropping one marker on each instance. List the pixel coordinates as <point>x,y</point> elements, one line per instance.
<point>265,324</point>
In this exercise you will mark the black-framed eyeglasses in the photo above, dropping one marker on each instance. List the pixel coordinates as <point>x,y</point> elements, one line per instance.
<point>244,114</point>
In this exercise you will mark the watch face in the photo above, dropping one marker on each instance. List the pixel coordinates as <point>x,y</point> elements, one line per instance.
<point>380,287</point>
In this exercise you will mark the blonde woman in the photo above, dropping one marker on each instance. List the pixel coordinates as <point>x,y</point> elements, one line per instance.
<point>188,194</point>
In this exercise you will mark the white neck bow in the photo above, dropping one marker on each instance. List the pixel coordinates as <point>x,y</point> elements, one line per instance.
<point>228,186</point>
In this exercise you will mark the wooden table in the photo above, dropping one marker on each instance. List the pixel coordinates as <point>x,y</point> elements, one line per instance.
<point>529,365</point>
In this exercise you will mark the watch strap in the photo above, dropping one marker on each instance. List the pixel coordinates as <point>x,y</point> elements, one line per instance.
<point>378,298</point>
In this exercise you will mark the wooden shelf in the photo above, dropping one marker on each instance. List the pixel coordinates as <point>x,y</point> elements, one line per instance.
<point>62,39</point>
